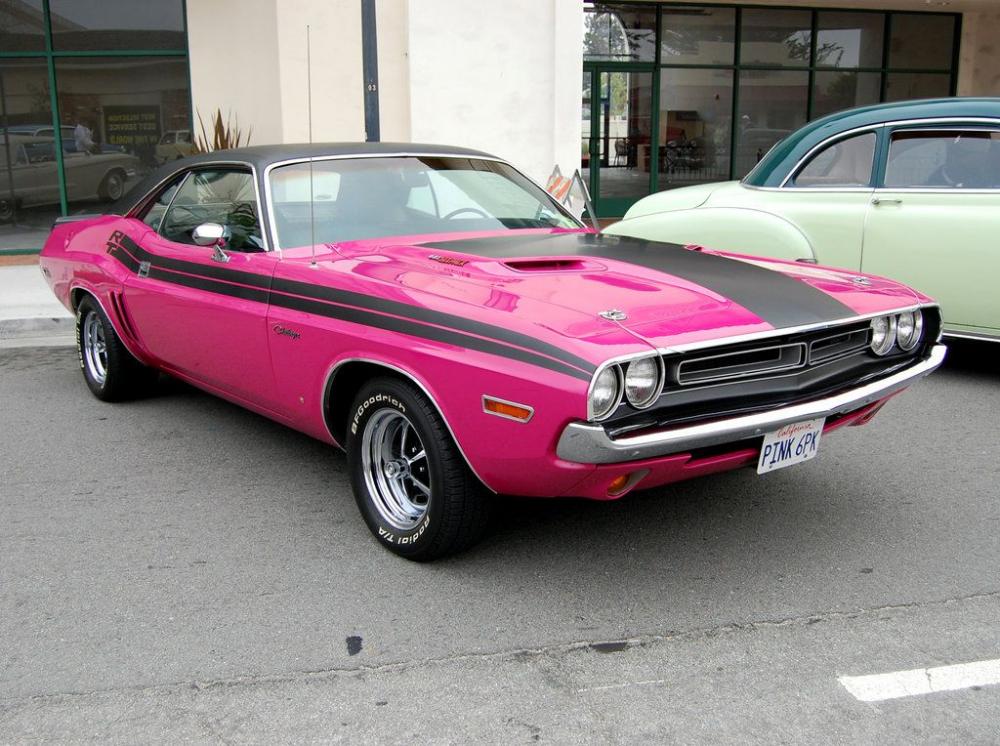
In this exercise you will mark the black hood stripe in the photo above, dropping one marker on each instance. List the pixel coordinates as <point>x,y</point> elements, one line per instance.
<point>254,287</point>
<point>778,299</point>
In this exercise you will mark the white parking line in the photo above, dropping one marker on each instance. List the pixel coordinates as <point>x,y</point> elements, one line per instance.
<point>878,687</point>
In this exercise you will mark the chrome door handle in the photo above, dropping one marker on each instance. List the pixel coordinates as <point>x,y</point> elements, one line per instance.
<point>883,201</point>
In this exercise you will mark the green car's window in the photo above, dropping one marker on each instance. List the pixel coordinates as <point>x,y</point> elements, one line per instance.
<point>845,163</point>
<point>223,196</point>
<point>941,159</point>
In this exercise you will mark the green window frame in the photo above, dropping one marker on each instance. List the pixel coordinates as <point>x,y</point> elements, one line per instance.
<point>736,67</point>
<point>50,55</point>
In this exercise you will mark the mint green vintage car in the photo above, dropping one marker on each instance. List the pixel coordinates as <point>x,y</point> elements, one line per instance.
<point>906,190</point>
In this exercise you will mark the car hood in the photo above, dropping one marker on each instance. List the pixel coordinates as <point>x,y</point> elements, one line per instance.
<point>585,286</point>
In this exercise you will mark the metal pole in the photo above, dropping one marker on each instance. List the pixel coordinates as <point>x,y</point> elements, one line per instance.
<point>369,62</point>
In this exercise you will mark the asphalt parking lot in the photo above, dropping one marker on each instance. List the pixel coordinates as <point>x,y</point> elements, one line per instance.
<point>177,569</point>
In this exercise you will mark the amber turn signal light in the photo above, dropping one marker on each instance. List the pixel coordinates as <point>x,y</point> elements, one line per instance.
<point>618,484</point>
<point>507,409</point>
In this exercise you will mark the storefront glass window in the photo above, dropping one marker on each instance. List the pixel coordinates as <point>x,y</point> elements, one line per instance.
<point>619,32</point>
<point>117,24</point>
<point>694,35</point>
<point>29,179</point>
<point>124,114</point>
<point>772,105</point>
<point>775,37</point>
<point>904,86</point>
<point>921,41</point>
<point>695,125</point>
<point>849,39</point>
<point>835,90</point>
<point>22,26</point>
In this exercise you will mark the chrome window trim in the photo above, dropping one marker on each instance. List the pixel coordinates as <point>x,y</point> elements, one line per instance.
<point>401,154</point>
<point>822,146</point>
<point>202,166</point>
<point>180,185</point>
<point>327,396</point>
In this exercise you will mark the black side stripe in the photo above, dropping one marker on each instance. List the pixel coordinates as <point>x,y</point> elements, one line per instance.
<point>177,276</point>
<point>778,299</point>
<point>345,297</point>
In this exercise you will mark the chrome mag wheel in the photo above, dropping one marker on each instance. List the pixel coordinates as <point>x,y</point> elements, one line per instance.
<point>395,469</point>
<point>95,348</point>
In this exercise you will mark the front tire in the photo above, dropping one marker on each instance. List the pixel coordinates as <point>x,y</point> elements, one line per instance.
<point>412,485</point>
<point>111,373</point>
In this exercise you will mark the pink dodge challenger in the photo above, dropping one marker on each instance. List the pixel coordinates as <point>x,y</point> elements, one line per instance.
<point>438,316</point>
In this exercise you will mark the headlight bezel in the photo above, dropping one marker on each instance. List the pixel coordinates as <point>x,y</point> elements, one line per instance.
<point>890,335</point>
<point>657,389</point>
<point>616,401</point>
<point>918,330</point>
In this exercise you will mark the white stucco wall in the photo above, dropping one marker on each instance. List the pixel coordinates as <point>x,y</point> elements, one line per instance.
<point>979,59</point>
<point>241,79</point>
<point>500,76</point>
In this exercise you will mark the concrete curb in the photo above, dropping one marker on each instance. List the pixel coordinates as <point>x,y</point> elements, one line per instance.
<point>38,327</point>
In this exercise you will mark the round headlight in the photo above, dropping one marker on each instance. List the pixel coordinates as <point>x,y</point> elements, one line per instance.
<point>883,334</point>
<point>909,329</point>
<point>606,392</point>
<point>642,382</point>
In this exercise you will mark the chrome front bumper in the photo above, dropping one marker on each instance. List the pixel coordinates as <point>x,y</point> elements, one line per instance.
<point>587,443</point>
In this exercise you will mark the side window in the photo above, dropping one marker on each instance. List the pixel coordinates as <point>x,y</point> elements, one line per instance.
<point>223,196</point>
<point>957,159</point>
<point>154,212</point>
<point>845,163</point>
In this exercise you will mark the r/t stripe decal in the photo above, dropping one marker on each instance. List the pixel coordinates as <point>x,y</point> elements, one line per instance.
<point>778,299</point>
<point>374,312</point>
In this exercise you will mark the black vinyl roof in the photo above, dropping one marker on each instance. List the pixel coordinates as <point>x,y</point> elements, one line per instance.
<point>262,156</point>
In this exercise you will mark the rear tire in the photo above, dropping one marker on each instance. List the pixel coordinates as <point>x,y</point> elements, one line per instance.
<point>412,485</point>
<point>110,370</point>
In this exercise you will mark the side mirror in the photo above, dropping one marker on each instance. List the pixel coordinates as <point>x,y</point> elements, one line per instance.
<point>214,235</point>
<point>209,234</point>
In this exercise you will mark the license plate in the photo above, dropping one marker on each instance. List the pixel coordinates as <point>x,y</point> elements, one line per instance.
<point>791,444</point>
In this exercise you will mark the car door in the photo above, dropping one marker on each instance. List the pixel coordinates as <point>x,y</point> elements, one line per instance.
<point>202,312</point>
<point>934,220</point>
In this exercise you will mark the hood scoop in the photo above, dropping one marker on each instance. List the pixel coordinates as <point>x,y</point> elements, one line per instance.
<point>567,264</point>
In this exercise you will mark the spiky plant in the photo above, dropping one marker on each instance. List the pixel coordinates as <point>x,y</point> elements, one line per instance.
<point>226,133</point>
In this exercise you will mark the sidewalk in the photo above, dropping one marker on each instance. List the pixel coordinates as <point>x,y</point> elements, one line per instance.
<point>30,315</point>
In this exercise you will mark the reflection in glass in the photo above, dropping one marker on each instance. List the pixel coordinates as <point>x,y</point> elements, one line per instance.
<point>124,116</point>
<point>117,24</point>
<point>693,35</point>
<point>775,37</point>
<point>22,26</point>
<point>845,163</point>
<point>625,128</point>
<point>772,103</point>
<point>849,39</point>
<point>585,121</point>
<point>834,90</point>
<point>921,41</point>
<point>29,183</point>
<point>903,86</point>
<point>620,33</point>
<point>695,126</point>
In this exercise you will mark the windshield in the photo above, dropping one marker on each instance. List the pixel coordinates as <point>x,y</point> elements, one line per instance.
<point>358,198</point>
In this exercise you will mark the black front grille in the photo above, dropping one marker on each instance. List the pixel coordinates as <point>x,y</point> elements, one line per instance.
<point>747,377</point>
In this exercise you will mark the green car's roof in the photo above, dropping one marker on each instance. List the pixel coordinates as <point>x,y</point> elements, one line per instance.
<point>773,168</point>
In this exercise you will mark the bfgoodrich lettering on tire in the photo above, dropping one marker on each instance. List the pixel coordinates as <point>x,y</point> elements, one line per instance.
<point>111,373</point>
<point>414,489</point>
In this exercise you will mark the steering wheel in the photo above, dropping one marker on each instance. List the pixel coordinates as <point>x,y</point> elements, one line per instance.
<point>460,210</point>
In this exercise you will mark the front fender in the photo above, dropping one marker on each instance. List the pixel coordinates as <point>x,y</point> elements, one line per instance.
<point>735,229</point>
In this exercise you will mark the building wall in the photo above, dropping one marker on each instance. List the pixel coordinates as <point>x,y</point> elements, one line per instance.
<point>979,58</point>
<point>239,78</point>
<point>513,91</point>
